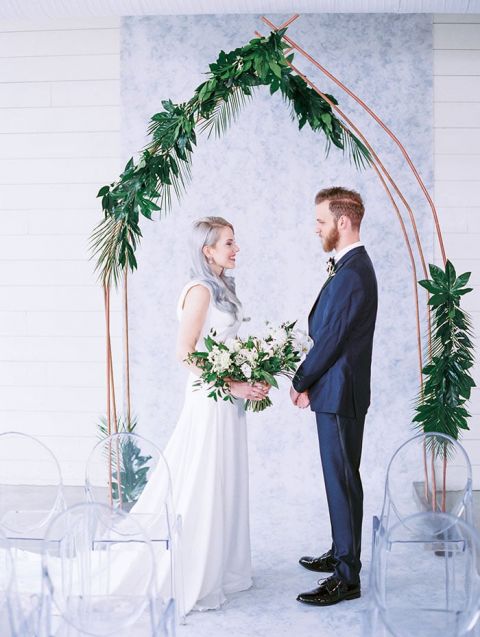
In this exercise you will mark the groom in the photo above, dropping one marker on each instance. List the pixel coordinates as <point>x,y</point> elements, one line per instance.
<point>334,380</point>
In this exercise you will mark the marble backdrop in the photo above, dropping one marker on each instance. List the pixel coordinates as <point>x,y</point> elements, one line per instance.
<point>262,175</point>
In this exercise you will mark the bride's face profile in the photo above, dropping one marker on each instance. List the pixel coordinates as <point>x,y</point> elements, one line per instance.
<point>223,253</point>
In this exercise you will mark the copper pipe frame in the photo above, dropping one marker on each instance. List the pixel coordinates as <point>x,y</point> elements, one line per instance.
<point>376,164</point>
<point>379,168</point>
<point>111,401</point>
<point>127,350</point>
<point>379,121</point>
<point>295,46</point>
<point>106,301</point>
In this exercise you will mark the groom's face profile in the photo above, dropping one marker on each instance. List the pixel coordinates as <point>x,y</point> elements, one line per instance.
<point>326,226</point>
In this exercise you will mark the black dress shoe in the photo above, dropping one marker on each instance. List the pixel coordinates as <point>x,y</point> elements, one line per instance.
<point>331,591</point>
<point>324,564</point>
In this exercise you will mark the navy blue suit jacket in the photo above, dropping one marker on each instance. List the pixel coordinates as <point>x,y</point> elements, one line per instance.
<point>336,371</point>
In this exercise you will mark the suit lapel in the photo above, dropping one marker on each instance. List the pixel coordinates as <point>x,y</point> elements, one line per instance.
<point>338,266</point>
<point>320,294</point>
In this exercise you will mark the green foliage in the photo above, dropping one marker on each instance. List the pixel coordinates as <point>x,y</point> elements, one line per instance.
<point>249,360</point>
<point>448,382</point>
<point>145,188</point>
<point>133,467</point>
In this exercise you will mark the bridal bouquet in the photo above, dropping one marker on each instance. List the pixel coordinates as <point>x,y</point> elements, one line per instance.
<point>252,359</point>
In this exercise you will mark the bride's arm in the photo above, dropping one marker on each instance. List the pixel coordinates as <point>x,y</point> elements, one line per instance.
<point>195,308</point>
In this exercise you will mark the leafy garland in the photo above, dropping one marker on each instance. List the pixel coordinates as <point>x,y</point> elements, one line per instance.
<point>145,187</point>
<point>448,384</point>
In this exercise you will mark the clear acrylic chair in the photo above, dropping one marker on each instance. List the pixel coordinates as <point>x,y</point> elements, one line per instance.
<point>425,578</point>
<point>99,577</point>
<point>31,494</point>
<point>18,615</point>
<point>429,472</point>
<point>130,473</point>
<point>31,488</point>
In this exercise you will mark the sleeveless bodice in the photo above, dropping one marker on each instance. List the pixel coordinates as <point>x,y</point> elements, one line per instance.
<point>224,323</point>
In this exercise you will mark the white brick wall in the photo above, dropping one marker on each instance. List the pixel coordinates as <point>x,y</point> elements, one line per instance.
<point>59,140</point>
<point>457,167</point>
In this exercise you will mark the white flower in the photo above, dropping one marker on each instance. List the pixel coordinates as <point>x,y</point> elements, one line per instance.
<point>247,370</point>
<point>220,359</point>
<point>212,355</point>
<point>242,356</point>
<point>268,349</point>
<point>301,341</point>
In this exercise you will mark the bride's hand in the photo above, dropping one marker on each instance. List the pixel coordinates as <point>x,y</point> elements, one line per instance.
<point>254,391</point>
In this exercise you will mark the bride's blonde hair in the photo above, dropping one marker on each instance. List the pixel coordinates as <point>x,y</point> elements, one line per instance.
<point>206,232</point>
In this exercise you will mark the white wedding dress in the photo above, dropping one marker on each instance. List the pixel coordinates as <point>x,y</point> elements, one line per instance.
<point>208,460</point>
<point>207,457</point>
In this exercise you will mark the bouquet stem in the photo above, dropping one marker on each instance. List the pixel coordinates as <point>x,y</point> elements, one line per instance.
<point>258,405</point>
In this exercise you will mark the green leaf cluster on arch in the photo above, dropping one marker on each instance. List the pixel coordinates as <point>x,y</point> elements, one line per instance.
<point>145,187</point>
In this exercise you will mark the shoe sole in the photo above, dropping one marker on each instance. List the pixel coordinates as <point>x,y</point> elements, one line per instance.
<point>346,598</point>
<point>318,570</point>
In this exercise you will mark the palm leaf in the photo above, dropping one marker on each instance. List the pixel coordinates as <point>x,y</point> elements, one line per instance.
<point>226,112</point>
<point>357,152</point>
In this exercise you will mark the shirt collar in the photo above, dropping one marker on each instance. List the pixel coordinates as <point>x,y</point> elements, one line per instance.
<point>343,252</point>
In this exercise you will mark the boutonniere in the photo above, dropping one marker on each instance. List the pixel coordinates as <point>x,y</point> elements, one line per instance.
<point>331,266</point>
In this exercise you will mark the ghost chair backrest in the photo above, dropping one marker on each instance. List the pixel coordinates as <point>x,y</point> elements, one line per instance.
<point>31,486</point>
<point>129,472</point>
<point>98,569</point>
<point>425,576</point>
<point>428,472</point>
<point>8,603</point>
<point>19,615</point>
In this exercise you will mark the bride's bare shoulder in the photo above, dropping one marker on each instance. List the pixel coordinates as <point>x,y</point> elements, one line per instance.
<point>196,293</point>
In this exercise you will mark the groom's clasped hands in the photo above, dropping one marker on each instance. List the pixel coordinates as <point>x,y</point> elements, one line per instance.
<point>300,400</point>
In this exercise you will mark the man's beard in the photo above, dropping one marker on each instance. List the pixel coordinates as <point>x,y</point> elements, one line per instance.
<point>330,241</point>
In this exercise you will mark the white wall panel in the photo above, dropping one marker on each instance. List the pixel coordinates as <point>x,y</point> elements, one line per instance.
<point>31,272</point>
<point>457,62</point>
<point>59,142</point>
<point>66,42</point>
<point>44,297</point>
<point>453,88</point>
<point>457,193</point>
<point>24,94</point>
<point>464,168</point>
<point>457,141</point>
<point>49,196</point>
<point>65,67</point>
<point>57,120</point>
<point>85,145</point>
<point>457,114</point>
<point>457,167</point>
<point>58,349</point>
<point>456,36</point>
<point>85,93</point>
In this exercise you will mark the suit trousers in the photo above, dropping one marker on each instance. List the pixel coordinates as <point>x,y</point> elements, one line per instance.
<point>340,441</point>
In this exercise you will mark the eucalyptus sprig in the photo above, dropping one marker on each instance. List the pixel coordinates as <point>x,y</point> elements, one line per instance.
<point>448,382</point>
<point>145,187</point>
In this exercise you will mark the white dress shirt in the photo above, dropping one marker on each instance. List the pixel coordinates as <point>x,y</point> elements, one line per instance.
<point>343,251</point>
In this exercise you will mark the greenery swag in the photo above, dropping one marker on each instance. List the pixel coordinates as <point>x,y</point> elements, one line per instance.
<point>145,187</point>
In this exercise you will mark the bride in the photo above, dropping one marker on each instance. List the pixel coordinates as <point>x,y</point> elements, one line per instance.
<point>207,452</point>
